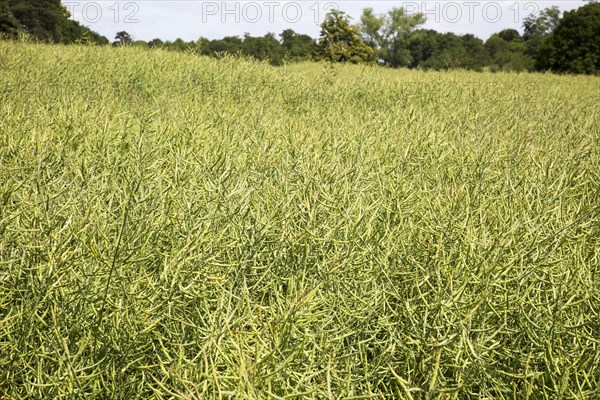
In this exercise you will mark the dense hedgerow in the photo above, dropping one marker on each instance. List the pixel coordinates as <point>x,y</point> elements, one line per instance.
<point>182,227</point>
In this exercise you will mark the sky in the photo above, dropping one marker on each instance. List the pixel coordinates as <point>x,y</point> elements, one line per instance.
<point>192,19</point>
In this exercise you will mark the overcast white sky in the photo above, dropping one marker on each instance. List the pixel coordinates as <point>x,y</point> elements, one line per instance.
<point>191,19</point>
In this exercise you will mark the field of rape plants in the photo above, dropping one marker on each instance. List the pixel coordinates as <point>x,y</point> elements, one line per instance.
<point>180,227</point>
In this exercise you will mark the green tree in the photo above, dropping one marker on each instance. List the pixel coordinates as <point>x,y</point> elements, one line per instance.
<point>371,27</point>
<point>202,45</point>
<point>341,42</point>
<point>263,48</point>
<point>507,51</point>
<point>430,49</point>
<point>9,25</point>
<point>574,45</point>
<point>476,55</point>
<point>180,45</point>
<point>537,29</point>
<point>423,44</point>
<point>46,20</point>
<point>42,18</point>
<point>122,38</point>
<point>449,53</point>
<point>155,43</point>
<point>297,47</point>
<point>390,34</point>
<point>227,45</point>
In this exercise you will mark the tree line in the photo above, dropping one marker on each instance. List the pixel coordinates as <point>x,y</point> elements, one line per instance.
<point>289,46</point>
<point>565,44</point>
<point>45,20</point>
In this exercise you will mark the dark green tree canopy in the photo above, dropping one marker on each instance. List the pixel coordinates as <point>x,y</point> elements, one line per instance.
<point>297,47</point>
<point>155,43</point>
<point>341,42</point>
<point>123,38</point>
<point>390,34</point>
<point>538,28</point>
<point>46,20</point>
<point>423,44</point>
<point>507,51</point>
<point>431,49</point>
<point>9,25</point>
<point>574,45</point>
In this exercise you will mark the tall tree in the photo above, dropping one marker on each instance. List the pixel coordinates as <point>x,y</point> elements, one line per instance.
<point>449,53</point>
<point>341,42</point>
<point>228,45</point>
<point>42,18</point>
<point>266,47</point>
<point>574,45</point>
<point>430,49</point>
<point>390,34</point>
<point>371,27</point>
<point>9,25</point>
<point>297,47</point>
<point>476,54</point>
<point>46,20</point>
<point>507,51</point>
<point>155,43</point>
<point>538,28</point>
<point>180,45</point>
<point>122,38</point>
<point>423,44</point>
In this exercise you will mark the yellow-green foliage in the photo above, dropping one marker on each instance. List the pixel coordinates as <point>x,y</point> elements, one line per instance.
<point>182,227</point>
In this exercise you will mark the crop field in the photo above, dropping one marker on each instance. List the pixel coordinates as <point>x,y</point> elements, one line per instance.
<point>179,227</point>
